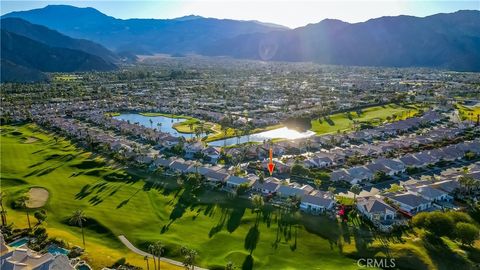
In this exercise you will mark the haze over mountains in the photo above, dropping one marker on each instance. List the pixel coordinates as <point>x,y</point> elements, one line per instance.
<point>448,41</point>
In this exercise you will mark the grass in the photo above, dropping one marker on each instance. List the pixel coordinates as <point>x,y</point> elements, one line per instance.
<point>372,115</point>
<point>220,229</point>
<point>468,113</point>
<point>219,134</point>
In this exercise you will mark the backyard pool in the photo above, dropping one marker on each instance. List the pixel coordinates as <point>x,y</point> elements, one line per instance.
<point>56,250</point>
<point>18,243</point>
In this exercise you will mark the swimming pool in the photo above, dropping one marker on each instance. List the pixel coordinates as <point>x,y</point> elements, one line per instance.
<point>19,242</point>
<point>56,250</point>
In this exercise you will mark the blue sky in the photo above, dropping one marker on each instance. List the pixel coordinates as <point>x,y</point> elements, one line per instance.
<point>289,13</point>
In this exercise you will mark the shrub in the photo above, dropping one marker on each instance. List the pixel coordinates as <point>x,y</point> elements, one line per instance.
<point>459,217</point>
<point>439,224</point>
<point>466,233</point>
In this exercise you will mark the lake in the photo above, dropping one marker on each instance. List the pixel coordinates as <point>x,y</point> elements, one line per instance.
<point>165,124</point>
<point>162,123</point>
<point>279,133</point>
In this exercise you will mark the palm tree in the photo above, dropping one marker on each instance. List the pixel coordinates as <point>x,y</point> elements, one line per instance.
<point>152,250</point>
<point>78,218</point>
<point>3,212</point>
<point>355,189</point>
<point>189,258</point>
<point>331,190</point>
<point>317,183</point>
<point>23,204</point>
<point>159,249</point>
<point>146,260</point>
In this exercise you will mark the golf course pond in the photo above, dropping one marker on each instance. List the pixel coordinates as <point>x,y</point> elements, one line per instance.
<point>165,124</point>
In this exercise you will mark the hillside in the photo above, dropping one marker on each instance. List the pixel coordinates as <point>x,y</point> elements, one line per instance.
<point>449,41</point>
<point>28,58</point>
<point>55,39</point>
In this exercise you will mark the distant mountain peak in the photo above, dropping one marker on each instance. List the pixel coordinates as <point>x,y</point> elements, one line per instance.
<point>188,17</point>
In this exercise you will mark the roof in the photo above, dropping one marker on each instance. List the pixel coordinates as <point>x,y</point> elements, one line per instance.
<point>237,180</point>
<point>409,199</point>
<point>179,166</point>
<point>290,191</point>
<point>429,192</point>
<point>216,175</point>
<point>375,205</point>
<point>316,200</point>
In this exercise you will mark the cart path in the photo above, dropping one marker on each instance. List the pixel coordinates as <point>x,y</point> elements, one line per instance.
<point>130,246</point>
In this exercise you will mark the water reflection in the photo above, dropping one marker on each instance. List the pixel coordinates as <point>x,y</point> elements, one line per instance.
<point>165,124</point>
<point>279,133</point>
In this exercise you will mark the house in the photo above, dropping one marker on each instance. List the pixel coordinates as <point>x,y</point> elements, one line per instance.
<point>180,166</point>
<point>375,209</point>
<point>268,186</point>
<point>212,153</point>
<point>290,191</point>
<point>431,194</point>
<point>341,175</point>
<point>234,182</point>
<point>410,203</point>
<point>376,167</point>
<point>23,258</point>
<point>395,165</point>
<point>280,167</point>
<point>359,174</point>
<point>410,161</point>
<point>216,176</point>
<point>161,162</point>
<point>192,149</point>
<point>316,204</point>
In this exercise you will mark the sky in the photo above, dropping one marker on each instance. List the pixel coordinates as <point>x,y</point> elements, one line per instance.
<point>293,13</point>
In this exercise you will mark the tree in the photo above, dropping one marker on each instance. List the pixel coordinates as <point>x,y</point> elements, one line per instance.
<point>146,260</point>
<point>257,202</point>
<point>3,212</point>
<point>355,189</point>
<point>331,190</point>
<point>466,233</point>
<point>189,257</point>
<point>151,249</point>
<point>317,183</point>
<point>22,202</point>
<point>439,224</point>
<point>159,249</point>
<point>78,218</point>
<point>40,215</point>
<point>230,266</point>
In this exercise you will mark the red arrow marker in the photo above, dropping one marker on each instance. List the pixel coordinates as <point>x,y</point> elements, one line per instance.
<point>271,166</point>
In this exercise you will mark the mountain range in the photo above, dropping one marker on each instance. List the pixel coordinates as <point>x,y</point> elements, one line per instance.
<point>24,59</point>
<point>448,41</point>
<point>140,36</point>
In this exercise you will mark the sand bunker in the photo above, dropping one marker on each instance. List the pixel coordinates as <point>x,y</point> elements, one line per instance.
<point>37,197</point>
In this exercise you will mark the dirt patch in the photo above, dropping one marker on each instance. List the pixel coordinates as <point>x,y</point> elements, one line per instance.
<point>37,197</point>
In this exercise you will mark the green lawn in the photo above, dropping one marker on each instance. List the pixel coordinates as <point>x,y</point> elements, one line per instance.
<point>373,115</point>
<point>468,113</point>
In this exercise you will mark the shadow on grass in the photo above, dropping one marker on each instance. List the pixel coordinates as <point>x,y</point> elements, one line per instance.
<point>441,254</point>
<point>248,263</point>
